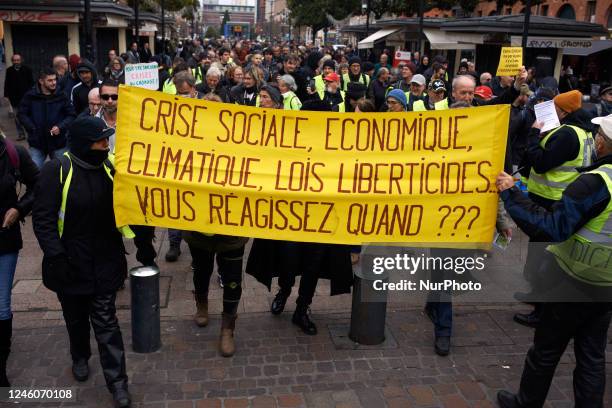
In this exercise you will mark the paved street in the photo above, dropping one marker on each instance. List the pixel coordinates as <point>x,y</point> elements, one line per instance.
<point>275,364</point>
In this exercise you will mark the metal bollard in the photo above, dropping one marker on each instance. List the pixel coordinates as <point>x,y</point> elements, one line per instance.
<point>144,288</point>
<point>369,309</point>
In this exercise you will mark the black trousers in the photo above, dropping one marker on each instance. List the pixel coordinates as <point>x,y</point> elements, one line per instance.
<point>587,324</point>
<point>100,310</point>
<point>143,240</point>
<point>230,270</point>
<point>307,258</point>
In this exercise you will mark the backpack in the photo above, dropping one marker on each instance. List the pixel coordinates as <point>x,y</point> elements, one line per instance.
<point>13,156</point>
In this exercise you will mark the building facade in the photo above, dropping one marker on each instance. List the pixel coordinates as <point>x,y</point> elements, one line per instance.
<point>38,31</point>
<point>592,11</point>
<point>240,11</point>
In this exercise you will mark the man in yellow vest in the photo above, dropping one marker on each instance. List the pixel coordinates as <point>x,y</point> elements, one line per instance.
<point>554,158</point>
<point>84,257</point>
<point>417,91</point>
<point>355,74</point>
<point>580,224</point>
<point>328,67</point>
<point>436,97</point>
<point>331,95</point>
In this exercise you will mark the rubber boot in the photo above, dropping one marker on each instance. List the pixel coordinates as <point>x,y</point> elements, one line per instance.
<point>226,341</point>
<point>6,332</point>
<point>201,315</point>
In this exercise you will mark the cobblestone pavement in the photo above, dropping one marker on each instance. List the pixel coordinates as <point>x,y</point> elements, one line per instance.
<point>275,364</point>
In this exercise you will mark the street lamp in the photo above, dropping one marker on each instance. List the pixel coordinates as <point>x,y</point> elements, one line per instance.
<point>136,22</point>
<point>526,24</point>
<point>88,31</point>
<point>163,28</point>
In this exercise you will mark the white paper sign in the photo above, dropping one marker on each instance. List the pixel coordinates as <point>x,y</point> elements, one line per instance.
<point>545,112</point>
<point>142,75</point>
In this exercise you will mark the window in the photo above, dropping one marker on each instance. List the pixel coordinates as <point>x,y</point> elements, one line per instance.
<point>544,10</point>
<point>590,14</point>
<point>508,11</point>
<point>566,11</point>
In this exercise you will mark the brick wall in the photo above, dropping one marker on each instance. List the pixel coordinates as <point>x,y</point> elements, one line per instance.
<point>603,8</point>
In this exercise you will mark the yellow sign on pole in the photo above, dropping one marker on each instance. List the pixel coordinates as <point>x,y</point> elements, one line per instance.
<point>510,61</point>
<point>325,177</point>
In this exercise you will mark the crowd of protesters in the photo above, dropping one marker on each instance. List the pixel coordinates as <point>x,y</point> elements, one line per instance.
<point>68,112</point>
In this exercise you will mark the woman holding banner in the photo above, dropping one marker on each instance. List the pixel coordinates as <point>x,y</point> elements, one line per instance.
<point>285,259</point>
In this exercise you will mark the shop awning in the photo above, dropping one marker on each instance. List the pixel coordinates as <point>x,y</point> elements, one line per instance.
<point>115,21</point>
<point>441,40</point>
<point>570,45</point>
<point>148,29</point>
<point>596,46</point>
<point>369,41</point>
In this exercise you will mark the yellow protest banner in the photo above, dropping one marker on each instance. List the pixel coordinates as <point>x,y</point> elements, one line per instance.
<point>344,178</point>
<point>510,61</point>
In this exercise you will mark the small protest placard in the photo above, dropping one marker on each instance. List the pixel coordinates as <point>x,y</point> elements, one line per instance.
<point>510,61</point>
<point>401,56</point>
<point>142,75</point>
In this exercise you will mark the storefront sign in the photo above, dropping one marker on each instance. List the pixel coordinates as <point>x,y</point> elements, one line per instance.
<point>39,17</point>
<point>553,42</point>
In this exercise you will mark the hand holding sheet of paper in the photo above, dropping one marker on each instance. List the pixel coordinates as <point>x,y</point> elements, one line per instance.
<point>510,61</point>
<point>545,113</point>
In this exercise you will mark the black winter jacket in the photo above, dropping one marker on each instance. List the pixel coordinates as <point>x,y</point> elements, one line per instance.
<point>89,258</point>
<point>562,146</point>
<point>38,113</point>
<point>80,91</point>
<point>221,91</point>
<point>17,83</point>
<point>10,238</point>
<point>582,200</point>
<point>238,95</point>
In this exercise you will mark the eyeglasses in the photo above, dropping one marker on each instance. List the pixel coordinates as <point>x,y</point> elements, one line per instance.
<point>106,97</point>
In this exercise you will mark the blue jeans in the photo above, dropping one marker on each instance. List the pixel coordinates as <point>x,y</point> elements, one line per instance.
<point>175,237</point>
<point>439,304</point>
<point>8,264</point>
<point>39,157</point>
<point>442,315</point>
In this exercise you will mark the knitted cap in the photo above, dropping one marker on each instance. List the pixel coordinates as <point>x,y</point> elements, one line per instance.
<point>569,101</point>
<point>329,63</point>
<point>399,96</point>
<point>354,60</point>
